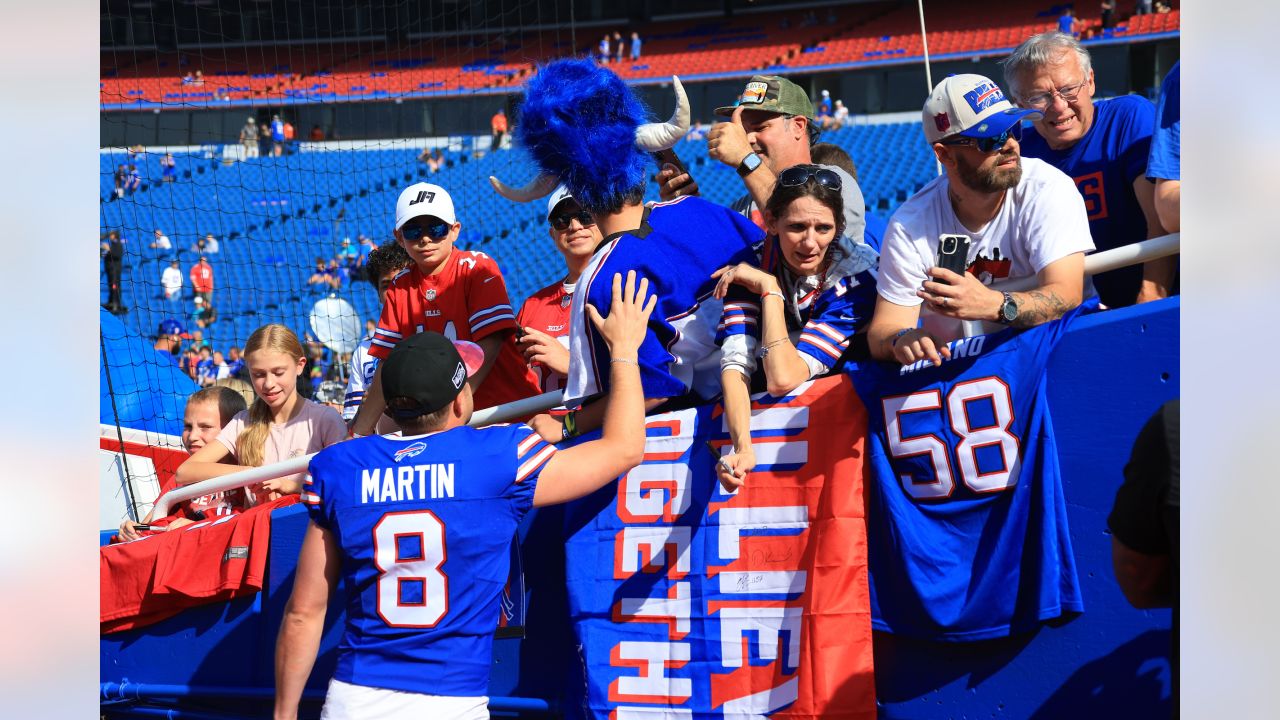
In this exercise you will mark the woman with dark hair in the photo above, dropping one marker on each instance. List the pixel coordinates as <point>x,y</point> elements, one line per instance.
<point>798,310</point>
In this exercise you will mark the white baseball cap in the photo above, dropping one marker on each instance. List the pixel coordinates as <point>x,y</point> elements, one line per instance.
<point>424,199</point>
<point>560,195</point>
<point>969,105</point>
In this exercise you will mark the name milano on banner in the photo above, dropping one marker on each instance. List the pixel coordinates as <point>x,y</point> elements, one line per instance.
<point>691,603</point>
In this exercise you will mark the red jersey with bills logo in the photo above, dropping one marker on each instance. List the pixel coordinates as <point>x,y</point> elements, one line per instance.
<point>548,311</point>
<point>466,300</point>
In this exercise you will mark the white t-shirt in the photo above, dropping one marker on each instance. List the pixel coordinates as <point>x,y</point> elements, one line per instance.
<point>1043,219</point>
<point>162,243</point>
<point>171,281</point>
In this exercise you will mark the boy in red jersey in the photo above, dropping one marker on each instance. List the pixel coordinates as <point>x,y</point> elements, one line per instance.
<point>544,317</point>
<point>457,293</point>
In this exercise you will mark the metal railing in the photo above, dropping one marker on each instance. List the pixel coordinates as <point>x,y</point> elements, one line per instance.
<point>1141,252</point>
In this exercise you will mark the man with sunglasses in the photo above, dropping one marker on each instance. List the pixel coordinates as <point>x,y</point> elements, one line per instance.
<point>544,317</point>
<point>1101,145</point>
<point>457,293</point>
<point>1022,218</point>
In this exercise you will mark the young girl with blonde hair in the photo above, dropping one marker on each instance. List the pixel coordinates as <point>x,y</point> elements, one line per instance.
<point>280,424</point>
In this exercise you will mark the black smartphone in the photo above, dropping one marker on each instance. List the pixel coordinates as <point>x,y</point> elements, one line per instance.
<point>669,156</point>
<point>953,253</point>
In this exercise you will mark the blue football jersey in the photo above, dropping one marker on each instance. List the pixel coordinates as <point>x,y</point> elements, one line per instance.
<point>967,523</point>
<point>678,246</point>
<point>1104,164</point>
<point>425,524</point>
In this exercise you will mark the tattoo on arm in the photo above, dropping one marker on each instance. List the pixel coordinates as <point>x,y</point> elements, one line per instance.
<point>1037,307</point>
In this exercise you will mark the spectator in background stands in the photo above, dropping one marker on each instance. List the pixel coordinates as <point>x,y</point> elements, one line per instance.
<point>1102,146</point>
<point>289,137</point>
<point>1164,166</point>
<point>317,134</point>
<point>235,363</point>
<point>171,281</point>
<point>1067,23</point>
<point>770,129</point>
<point>436,161</point>
<point>119,178</point>
<point>169,339</point>
<point>323,278</point>
<point>204,315</point>
<point>497,123</point>
<point>249,138</point>
<point>204,367</point>
<point>221,370</point>
<point>277,136</point>
<point>112,251</point>
<point>1108,11</point>
<point>207,412</point>
<point>202,279</point>
<point>207,245</point>
<point>618,46</point>
<point>824,105</point>
<point>348,252</point>
<point>168,168</point>
<point>338,272</point>
<point>840,116</point>
<point>384,264</point>
<point>830,154</point>
<point>604,49</point>
<point>459,293</point>
<point>161,242</point>
<point>190,358</point>
<point>544,317</point>
<point>198,81</point>
<point>1024,218</point>
<point>278,425</point>
<point>1143,7</point>
<point>696,133</point>
<point>635,46</point>
<point>134,182</point>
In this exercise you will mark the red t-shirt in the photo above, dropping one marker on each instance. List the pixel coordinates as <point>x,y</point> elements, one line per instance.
<point>467,300</point>
<point>202,277</point>
<point>548,311</point>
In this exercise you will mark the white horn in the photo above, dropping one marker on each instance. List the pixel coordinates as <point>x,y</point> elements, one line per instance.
<point>655,136</point>
<point>539,187</point>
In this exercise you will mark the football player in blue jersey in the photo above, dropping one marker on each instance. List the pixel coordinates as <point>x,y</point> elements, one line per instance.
<point>586,129</point>
<point>1103,146</point>
<point>419,527</point>
<point>809,290</point>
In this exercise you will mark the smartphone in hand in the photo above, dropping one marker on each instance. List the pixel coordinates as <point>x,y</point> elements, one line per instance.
<point>953,253</point>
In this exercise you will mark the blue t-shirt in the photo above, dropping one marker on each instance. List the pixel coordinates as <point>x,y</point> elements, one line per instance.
<point>966,520</point>
<point>1104,165</point>
<point>425,525</point>
<point>1064,23</point>
<point>678,245</point>
<point>1165,162</point>
<point>277,131</point>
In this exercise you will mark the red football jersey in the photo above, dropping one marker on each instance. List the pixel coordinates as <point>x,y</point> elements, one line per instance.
<point>548,311</point>
<point>467,300</point>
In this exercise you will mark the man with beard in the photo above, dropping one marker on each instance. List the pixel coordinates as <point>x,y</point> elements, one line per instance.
<point>1022,218</point>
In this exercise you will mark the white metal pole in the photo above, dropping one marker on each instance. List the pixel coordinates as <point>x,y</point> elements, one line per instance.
<point>928,71</point>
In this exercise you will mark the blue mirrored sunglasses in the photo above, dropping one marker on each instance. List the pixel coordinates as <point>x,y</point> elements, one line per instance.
<point>415,231</point>
<point>988,145</point>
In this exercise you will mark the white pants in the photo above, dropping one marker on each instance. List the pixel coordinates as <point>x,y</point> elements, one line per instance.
<point>345,701</point>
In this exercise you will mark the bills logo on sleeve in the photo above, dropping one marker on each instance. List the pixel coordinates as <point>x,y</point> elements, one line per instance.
<point>984,96</point>
<point>411,451</point>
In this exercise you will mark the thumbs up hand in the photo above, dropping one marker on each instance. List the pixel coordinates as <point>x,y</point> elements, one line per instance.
<point>729,142</point>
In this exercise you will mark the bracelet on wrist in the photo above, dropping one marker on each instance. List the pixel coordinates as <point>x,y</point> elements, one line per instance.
<point>777,293</point>
<point>629,361</point>
<point>898,336</point>
<point>764,350</point>
<point>571,424</point>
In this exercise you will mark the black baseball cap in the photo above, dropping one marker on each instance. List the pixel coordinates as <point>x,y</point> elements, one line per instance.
<point>429,369</point>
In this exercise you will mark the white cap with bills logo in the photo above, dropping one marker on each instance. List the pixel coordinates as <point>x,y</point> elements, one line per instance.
<point>969,105</point>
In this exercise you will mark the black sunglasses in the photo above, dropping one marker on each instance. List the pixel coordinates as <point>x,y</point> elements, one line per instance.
<point>800,174</point>
<point>988,145</point>
<point>563,220</point>
<point>435,231</point>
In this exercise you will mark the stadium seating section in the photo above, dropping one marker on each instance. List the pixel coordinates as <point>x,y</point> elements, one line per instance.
<point>274,216</point>
<point>843,37</point>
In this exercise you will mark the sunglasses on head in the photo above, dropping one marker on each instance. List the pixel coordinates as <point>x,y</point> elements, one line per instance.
<point>435,230</point>
<point>800,174</point>
<point>563,220</point>
<point>988,145</point>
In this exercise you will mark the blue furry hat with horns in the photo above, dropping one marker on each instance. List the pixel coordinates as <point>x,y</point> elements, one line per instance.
<point>587,130</point>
